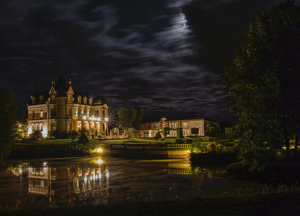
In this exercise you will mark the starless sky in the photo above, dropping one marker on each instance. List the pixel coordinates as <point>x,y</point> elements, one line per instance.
<point>165,56</point>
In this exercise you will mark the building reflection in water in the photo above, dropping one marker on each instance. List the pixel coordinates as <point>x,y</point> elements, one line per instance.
<point>79,180</point>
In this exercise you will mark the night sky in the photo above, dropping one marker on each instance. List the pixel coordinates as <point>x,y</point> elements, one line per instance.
<point>166,57</point>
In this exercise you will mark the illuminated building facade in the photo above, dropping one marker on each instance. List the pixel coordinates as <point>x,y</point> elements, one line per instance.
<point>63,109</point>
<point>149,127</point>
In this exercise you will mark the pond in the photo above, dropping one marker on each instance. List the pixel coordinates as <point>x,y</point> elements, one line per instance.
<point>101,179</point>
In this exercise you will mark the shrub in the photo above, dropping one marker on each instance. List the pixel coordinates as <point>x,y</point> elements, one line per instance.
<point>220,148</point>
<point>157,136</point>
<point>211,147</point>
<point>178,140</point>
<point>160,139</point>
<point>58,135</point>
<point>36,135</point>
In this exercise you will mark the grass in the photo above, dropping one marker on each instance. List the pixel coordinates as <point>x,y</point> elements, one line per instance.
<point>279,200</point>
<point>54,142</point>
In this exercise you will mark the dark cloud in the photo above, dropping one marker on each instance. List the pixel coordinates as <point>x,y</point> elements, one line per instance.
<point>163,56</point>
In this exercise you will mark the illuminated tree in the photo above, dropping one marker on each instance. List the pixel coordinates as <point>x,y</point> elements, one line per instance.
<point>264,82</point>
<point>8,111</point>
<point>130,117</point>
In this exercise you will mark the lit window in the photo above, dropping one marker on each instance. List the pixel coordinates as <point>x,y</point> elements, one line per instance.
<point>42,127</point>
<point>41,114</point>
<point>196,124</point>
<point>33,127</point>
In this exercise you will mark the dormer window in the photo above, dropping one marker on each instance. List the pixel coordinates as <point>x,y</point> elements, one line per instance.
<point>52,98</point>
<point>79,99</point>
<point>69,98</point>
<point>32,100</point>
<point>41,99</point>
<point>91,101</point>
<point>85,100</point>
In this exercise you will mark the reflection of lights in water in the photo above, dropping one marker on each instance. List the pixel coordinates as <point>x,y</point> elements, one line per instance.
<point>107,174</point>
<point>20,171</point>
<point>99,175</point>
<point>94,176</point>
<point>99,161</point>
<point>99,150</point>
<point>91,178</point>
<point>85,179</point>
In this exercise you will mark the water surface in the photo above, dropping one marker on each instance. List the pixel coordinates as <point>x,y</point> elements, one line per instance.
<point>103,179</point>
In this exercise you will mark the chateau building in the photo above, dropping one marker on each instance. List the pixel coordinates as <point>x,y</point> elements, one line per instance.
<point>149,127</point>
<point>63,109</point>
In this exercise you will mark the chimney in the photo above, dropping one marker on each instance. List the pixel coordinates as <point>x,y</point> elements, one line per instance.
<point>35,89</point>
<point>53,82</point>
<point>69,82</point>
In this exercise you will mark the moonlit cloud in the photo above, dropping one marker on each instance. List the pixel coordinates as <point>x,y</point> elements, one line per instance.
<point>155,54</point>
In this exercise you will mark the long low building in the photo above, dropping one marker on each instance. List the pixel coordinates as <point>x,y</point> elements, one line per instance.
<point>149,127</point>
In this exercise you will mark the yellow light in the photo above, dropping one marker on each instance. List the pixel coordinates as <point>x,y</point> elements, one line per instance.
<point>106,119</point>
<point>99,161</point>
<point>84,117</point>
<point>99,150</point>
<point>99,119</point>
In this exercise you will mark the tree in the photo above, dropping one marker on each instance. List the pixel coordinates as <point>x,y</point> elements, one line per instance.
<point>195,131</point>
<point>35,135</point>
<point>73,134</point>
<point>264,82</point>
<point>8,111</point>
<point>130,117</point>
<point>157,136</point>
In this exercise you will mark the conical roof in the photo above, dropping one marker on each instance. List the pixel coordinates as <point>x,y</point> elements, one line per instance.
<point>61,87</point>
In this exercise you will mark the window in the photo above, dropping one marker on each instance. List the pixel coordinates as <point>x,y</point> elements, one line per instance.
<point>185,125</point>
<point>53,127</point>
<point>41,114</point>
<point>79,99</point>
<point>41,99</point>
<point>97,113</point>
<point>103,113</point>
<point>196,124</point>
<point>33,114</point>
<point>173,125</point>
<point>33,127</point>
<point>69,127</point>
<point>42,127</point>
<point>37,127</point>
<point>85,100</point>
<point>69,111</point>
<point>155,126</point>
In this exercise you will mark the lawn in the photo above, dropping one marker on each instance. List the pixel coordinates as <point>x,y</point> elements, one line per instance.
<point>53,142</point>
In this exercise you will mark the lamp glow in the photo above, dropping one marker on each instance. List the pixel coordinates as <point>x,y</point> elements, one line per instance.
<point>106,119</point>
